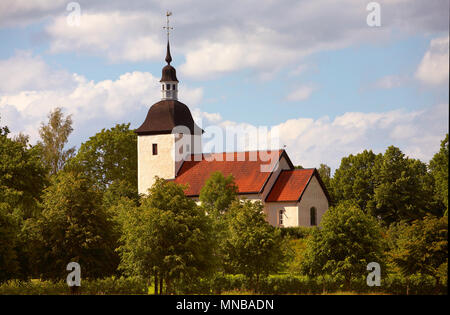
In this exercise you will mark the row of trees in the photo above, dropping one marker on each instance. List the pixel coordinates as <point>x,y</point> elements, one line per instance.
<point>58,205</point>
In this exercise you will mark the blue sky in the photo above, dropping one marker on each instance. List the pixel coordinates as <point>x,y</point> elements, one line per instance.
<point>315,70</point>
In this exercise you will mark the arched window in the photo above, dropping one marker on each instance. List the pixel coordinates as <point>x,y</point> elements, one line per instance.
<point>168,87</point>
<point>313,216</point>
<point>280,217</point>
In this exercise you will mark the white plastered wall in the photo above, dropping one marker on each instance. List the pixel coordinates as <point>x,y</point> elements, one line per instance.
<point>149,165</point>
<point>314,196</point>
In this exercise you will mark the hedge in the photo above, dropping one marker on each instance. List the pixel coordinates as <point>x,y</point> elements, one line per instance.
<point>274,284</point>
<point>111,285</point>
<point>288,284</point>
<point>296,232</point>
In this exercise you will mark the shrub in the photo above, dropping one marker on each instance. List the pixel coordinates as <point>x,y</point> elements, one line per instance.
<point>296,232</point>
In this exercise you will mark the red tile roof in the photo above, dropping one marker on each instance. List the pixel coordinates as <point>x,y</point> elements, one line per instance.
<point>248,174</point>
<point>290,185</point>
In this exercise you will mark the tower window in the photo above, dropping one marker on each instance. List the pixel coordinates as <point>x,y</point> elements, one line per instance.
<point>155,149</point>
<point>280,217</point>
<point>173,86</point>
<point>313,216</point>
<point>168,86</point>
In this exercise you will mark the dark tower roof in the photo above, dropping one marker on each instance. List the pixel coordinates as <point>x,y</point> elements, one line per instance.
<point>163,116</point>
<point>168,72</point>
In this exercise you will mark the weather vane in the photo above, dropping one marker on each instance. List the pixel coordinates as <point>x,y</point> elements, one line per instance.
<point>168,28</point>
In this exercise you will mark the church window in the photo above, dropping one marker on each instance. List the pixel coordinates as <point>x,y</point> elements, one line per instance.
<point>280,217</point>
<point>168,86</point>
<point>313,216</point>
<point>173,86</point>
<point>155,149</point>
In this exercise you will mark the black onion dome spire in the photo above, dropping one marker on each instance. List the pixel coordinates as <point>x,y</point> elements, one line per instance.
<point>168,56</point>
<point>168,72</point>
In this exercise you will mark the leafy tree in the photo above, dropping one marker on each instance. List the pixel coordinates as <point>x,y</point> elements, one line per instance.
<point>54,137</point>
<point>216,197</point>
<point>439,171</point>
<point>325,174</point>
<point>22,179</point>
<point>420,247</point>
<point>348,241</point>
<point>297,250</point>
<point>354,179</point>
<point>9,264</point>
<point>109,156</point>
<point>168,238</point>
<point>403,187</point>
<point>117,191</point>
<point>22,175</point>
<point>254,247</point>
<point>218,193</point>
<point>74,227</point>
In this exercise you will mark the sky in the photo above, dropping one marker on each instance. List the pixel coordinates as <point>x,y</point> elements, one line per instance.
<point>313,72</point>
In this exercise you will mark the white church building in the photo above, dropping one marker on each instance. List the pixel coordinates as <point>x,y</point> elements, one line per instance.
<point>170,147</point>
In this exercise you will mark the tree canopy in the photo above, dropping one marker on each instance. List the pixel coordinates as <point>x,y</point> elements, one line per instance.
<point>348,241</point>
<point>54,136</point>
<point>254,247</point>
<point>439,171</point>
<point>74,227</point>
<point>110,155</point>
<point>167,237</point>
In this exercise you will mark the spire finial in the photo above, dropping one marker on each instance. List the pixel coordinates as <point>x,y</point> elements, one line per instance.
<point>168,28</point>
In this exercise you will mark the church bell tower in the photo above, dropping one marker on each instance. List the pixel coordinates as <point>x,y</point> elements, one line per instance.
<point>169,135</point>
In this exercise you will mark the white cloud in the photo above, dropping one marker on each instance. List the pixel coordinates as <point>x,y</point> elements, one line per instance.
<point>117,36</point>
<point>215,38</point>
<point>301,93</point>
<point>313,141</point>
<point>26,101</point>
<point>391,81</point>
<point>22,12</point>
<point>26,72</point>
<point>433,68</point>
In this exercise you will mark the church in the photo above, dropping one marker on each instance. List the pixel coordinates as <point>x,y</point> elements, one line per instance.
<point>170,146</point>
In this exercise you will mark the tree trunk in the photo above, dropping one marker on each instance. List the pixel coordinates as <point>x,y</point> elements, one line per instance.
<point>156,282</point>
<point>437,285</point>
<point>160,285</point>
<point>257,284</point>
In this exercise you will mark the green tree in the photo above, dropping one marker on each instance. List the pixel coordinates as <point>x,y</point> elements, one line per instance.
<point>403,188</point>
<point>109,156</point>
<point>439,171</point>
<point>168,238</point>
<point>54,137</point>
<point>9,264</point>
<point>22,179</point>
<point>74,227</point>
<point>216,197</point>
<point>325,174</point>
<point>354,179</point>
<point>420,247</point>
<point>22,175</point>
<point>218,193</point>
<point>348,241</point>
<point>254,247</point>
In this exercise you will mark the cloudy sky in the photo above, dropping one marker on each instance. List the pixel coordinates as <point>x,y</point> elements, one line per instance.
<point>315,71</point>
